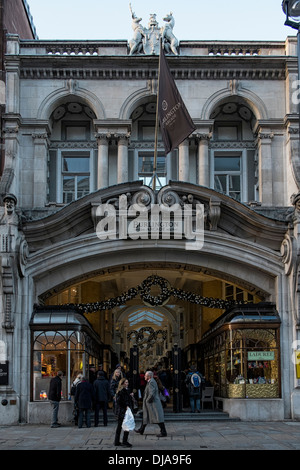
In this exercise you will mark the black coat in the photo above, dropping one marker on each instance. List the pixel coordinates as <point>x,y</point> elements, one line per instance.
<point>123,400</point>
<point>84,395</point>
<point>54,393</point>
<point>101,390</point>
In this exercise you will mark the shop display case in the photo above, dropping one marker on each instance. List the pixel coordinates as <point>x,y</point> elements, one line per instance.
<point>242,352</point>
<point>62,339</point>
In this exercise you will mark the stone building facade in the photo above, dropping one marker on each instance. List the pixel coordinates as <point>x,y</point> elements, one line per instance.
<point>79,129</point>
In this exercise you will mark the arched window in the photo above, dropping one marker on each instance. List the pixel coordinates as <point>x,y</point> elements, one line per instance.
<point>233,151</point>
<point>73,153</point>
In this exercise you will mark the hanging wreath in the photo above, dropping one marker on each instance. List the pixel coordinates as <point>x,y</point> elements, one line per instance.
<point>155,300</point>
<point>146,341</point>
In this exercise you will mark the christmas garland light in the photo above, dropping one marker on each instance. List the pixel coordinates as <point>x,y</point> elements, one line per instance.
<point>166,291</point>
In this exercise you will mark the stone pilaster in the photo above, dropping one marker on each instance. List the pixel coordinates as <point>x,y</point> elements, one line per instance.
<point>265,167</point>
<point>40,168</point>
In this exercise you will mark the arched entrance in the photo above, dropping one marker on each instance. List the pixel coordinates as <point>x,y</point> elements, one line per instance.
<point>108,280</point>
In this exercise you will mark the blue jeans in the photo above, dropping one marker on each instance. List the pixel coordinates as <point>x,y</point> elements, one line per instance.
<point>55,406</point>
<point>87,413</point>
<point>195,403</point>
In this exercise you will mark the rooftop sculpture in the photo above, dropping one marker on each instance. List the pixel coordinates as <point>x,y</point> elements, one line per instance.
<point>146,40</point>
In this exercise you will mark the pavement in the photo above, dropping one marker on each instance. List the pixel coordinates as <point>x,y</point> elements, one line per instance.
<point>183,438</point>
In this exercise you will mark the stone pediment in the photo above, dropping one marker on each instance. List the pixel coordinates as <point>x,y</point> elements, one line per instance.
<point>221,214</point>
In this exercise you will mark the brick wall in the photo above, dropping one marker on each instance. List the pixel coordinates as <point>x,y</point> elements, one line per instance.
<point>15,19</point>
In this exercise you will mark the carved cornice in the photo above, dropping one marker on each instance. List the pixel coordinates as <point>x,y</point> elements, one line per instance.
<point>210,72</point>
<point>221,214</point>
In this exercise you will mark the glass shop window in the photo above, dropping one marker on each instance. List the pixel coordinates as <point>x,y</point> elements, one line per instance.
<point>253,365</point>
<point>54,351</point>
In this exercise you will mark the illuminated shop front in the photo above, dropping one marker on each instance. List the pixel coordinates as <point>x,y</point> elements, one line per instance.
<point>241,353</point>
<point>64,340</point>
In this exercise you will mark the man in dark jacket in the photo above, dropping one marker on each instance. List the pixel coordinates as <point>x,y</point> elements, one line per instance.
<point>54,396</point>
<point>84,397</point>
<point>102,396</point>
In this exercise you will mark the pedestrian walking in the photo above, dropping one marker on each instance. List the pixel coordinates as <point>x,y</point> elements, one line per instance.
<point>123,401</point>
<point>54,396</point>
<point>84,397</point>
<point>102,396</point>
<point>76,381</point>
<point>153,412</point>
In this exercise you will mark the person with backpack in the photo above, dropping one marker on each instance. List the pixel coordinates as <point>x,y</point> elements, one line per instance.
<point>194,384</point>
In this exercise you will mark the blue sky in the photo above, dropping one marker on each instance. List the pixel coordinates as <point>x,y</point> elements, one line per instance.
<point>194,19</point>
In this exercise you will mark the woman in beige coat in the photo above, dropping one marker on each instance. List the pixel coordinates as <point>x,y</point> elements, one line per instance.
<point>153,412</point>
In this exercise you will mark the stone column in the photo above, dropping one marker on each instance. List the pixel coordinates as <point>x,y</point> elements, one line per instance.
<point>265,168</point>
<point>40,169</point>
<point>203,159</point>
<point>122,158</point>
<point>102,171</point>
<point>184,161</point>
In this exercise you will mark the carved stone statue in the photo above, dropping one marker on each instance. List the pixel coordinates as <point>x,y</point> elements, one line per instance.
<point>170,42</point>
<point>146,40</point>
<point>136,44</point>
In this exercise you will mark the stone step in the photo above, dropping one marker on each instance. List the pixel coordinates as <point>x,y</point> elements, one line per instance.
<point>170,415</point>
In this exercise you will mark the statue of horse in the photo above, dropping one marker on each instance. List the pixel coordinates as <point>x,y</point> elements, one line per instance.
<point>168,38</point>
<point>136,43</point>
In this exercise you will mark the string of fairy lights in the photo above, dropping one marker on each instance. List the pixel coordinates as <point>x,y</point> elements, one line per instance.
<point>166,291</point>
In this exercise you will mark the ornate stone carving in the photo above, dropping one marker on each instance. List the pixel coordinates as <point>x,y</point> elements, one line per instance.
<point>13,252</point>
<point>214,214</point>
<point>287,252</point>
<point>146,40</point>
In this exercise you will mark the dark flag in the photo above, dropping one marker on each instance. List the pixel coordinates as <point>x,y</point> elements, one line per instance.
<point>175,121</point>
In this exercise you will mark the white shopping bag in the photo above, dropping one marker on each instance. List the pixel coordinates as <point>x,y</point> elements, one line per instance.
<point>128,421</point>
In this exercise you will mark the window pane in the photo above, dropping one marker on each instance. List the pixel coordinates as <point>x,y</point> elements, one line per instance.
<point>146,165</point>
<point>68,189</point>
<point>46,364</point>
<point>83,186</point>
<point>76,164</point>
<point>227,163</point>
<point>235,186</point>
<point>220,183</point>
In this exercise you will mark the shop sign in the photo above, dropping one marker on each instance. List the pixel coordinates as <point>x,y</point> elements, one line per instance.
<point>4,373</point>
<point>261,355</point>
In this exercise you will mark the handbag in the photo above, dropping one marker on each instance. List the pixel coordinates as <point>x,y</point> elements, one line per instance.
<point>128,421</point>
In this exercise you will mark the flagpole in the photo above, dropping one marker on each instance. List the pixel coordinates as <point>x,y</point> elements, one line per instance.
<point>156,124</point>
